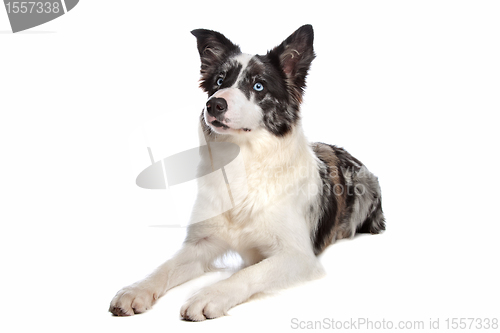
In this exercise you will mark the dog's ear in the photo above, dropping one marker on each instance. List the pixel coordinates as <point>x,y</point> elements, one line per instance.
<point>213,47</point>
<point>294,56</point>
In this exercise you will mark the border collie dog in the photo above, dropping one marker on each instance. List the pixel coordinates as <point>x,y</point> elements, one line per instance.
<point>297,198</point>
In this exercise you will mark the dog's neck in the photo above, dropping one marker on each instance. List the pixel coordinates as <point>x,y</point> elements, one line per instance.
<point>265,147</point>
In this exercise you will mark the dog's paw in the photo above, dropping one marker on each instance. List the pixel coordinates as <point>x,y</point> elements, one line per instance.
<point>133,299</point>
<point>208,303</point>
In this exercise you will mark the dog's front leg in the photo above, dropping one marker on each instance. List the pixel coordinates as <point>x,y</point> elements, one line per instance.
<point>190,262</point>
<point>275,272</point>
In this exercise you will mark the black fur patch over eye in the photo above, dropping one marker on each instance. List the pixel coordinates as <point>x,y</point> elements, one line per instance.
<point>280,112</point>
<point>231,75</point>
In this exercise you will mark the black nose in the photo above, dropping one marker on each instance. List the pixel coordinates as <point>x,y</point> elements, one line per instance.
<point>216,106</point>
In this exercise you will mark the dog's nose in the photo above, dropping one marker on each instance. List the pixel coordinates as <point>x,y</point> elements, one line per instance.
<point>216,106</point>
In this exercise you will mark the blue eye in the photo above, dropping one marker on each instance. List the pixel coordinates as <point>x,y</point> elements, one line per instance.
<point>219,81</point>
<point>258,86</point>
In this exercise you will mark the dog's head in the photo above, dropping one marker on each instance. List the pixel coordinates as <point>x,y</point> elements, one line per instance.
<point>248,93</point>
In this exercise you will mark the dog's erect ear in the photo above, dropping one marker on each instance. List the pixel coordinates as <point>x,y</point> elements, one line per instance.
<point>213,47</point>
<point>295,55</point>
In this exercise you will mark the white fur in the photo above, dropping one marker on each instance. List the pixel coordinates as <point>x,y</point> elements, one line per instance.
<point>243,59</point>
<point>241,112</point>
<point>270,228</point>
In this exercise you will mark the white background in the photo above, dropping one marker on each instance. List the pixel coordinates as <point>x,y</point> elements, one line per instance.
<point>409,88</point>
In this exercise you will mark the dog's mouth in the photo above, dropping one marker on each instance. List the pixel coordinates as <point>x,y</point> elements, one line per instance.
<point>221,125</point>
<point>218,124</point>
